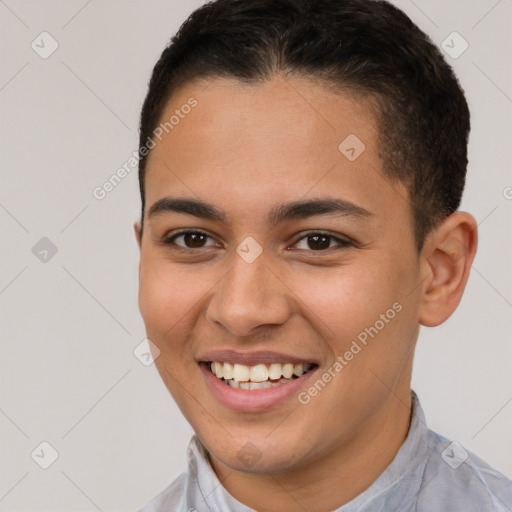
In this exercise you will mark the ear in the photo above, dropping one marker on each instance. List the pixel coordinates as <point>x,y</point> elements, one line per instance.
<point>137,228</point>
<point>446,260</point>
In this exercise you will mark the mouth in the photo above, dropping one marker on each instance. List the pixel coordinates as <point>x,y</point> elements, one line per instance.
<point>259,376</point>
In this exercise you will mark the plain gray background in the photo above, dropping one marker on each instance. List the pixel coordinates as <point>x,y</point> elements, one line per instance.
<point>70,324</point>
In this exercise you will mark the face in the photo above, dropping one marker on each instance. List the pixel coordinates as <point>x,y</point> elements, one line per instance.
<point>273,243</point>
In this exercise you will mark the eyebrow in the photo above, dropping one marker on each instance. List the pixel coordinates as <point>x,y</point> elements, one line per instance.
<point>280,213</point>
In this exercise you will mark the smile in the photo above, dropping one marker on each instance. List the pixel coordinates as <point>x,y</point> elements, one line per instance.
<point>259,376</point>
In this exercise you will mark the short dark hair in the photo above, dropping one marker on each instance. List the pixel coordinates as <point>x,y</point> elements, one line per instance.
<point>367,47</point>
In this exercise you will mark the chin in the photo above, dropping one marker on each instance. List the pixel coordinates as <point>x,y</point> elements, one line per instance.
<point>256,454</point>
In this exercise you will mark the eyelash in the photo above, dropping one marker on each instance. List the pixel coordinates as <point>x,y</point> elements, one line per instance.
<point>342,243</point>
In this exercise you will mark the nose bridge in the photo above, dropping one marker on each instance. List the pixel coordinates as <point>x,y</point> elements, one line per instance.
<point>250,295</point>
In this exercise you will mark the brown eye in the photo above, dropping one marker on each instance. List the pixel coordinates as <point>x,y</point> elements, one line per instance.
<point>320,242</point>
<point>190,239</point>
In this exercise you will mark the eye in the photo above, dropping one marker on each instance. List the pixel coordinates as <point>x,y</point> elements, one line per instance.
<point>311,242</point>
<point>319,241</point>
<point>191,239</point>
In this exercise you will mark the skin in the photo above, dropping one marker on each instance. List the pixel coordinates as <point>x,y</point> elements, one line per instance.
<point>245,149</point>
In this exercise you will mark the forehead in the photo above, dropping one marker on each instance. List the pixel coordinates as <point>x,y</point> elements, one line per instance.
<point>251,144</point>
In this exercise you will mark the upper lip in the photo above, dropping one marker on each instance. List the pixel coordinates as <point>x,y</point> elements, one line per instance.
<point>251,358</point>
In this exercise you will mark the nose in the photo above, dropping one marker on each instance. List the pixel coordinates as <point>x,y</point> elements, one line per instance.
<point>250,296</point>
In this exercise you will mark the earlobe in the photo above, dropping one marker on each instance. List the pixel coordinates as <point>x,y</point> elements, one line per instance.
<point>137,228</point>
<point>448,256</point>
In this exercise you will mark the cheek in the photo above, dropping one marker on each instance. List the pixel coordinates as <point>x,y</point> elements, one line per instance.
<point>166,295</point>
<point>342,300</point>
<point>358,301</point>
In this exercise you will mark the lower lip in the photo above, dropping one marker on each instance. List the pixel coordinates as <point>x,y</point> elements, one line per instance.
<point>245,400</point>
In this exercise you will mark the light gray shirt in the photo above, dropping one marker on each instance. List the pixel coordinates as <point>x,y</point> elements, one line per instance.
<point>428,474</point>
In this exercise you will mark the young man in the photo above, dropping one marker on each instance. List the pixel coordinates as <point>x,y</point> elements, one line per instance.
<point>299,223</point>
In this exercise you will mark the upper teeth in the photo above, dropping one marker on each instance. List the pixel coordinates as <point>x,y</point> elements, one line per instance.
<point>257,373</point>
